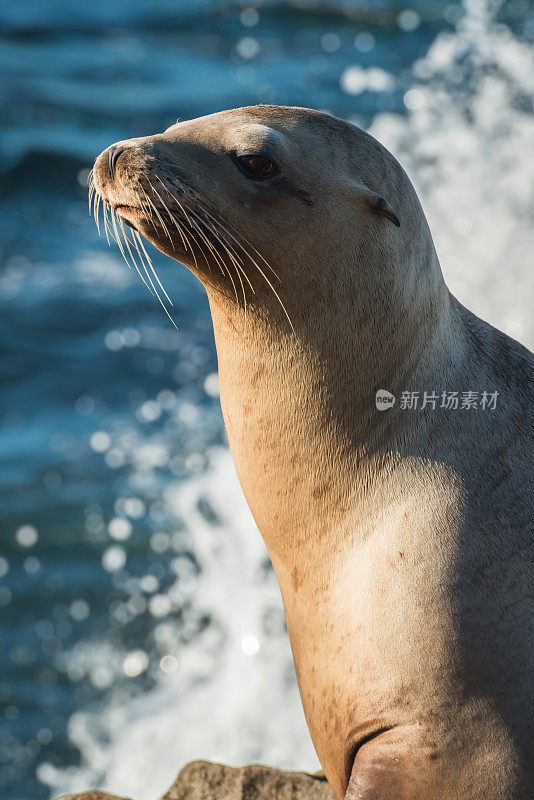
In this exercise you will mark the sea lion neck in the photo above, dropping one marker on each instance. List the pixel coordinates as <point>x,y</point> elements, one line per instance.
<point>300,413</point>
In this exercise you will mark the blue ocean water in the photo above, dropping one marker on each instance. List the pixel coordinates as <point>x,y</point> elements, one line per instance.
<point>140,623</point>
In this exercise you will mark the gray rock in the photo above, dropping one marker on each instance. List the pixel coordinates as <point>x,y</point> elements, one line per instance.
<point>204,780</point>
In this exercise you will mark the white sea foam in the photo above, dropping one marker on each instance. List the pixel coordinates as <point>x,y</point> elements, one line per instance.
<point>230,693</point>
<point>467,143</point>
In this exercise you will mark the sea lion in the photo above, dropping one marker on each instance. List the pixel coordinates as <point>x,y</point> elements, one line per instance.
<point>402,536</point>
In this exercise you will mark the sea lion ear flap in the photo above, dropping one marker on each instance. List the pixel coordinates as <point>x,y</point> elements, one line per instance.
<point>373,201</point>
<point>381,206</point>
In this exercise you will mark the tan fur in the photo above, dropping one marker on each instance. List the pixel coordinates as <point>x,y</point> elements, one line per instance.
<point>402,541</point>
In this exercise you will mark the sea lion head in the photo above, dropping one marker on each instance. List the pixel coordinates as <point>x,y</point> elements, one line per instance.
<point>266,203</point>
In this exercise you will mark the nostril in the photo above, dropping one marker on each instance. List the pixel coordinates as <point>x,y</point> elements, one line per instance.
<point>113,153</point>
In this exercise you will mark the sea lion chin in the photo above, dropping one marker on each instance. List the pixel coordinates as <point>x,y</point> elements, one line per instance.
<point>401,538</point>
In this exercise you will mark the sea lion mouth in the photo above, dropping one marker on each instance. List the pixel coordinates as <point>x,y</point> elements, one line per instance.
<point>130,215</point>
<point>165,221</point>
<point>125,210</point>
<point>157,217</point>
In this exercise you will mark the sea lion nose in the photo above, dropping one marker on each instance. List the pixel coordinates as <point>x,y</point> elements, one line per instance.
<point>113,153</point>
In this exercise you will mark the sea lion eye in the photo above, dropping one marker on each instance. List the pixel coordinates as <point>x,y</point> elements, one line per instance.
<point>256,167</point>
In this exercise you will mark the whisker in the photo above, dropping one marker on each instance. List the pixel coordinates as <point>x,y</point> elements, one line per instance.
<point>244,238</point>
<point>192,223</point>
<point>152,290</point>
<point>96,213</point>
<point>160,218</point>
<point>173,218</point>
<point>227,269</point>
<point>137,236</point>
<point>176,222</point>
<point>106,222</point>
<point>95,199</point>
<point>227,246</point>
<point>117,237</point>
<point>220,261</point>
<point>239,243</point>
<point>235,258</point>
<point>134,262</point>
<point>241,235</point>
<point>183,233</point>
<point>262,273</point>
